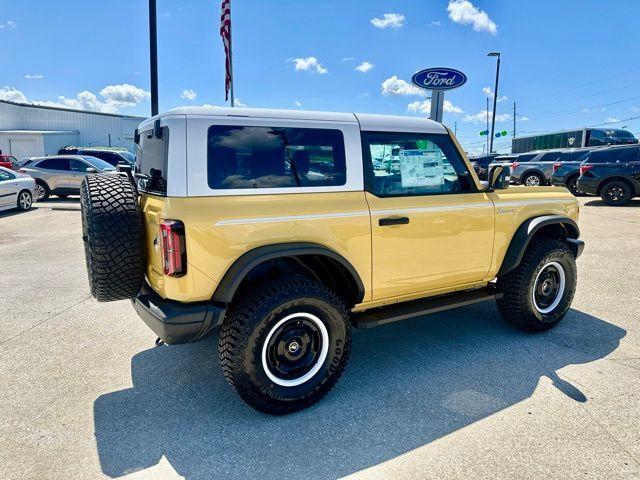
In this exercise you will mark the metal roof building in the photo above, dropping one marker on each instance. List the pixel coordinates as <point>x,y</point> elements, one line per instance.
<point>34,130</point>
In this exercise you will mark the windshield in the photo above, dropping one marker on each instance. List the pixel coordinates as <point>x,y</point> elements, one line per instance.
<point>620,134</point>
<point>128,156</point>
<point>99,164</point>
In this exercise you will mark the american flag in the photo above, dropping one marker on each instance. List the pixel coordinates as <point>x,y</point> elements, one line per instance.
<point>225,33</point>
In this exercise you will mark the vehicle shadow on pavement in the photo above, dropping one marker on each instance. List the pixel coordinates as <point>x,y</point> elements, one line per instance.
<point>407,385</point>
<point>600,203</point>
<point>11,213</point>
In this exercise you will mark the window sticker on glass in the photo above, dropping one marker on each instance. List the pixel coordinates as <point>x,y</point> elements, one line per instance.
<point>420,168</point>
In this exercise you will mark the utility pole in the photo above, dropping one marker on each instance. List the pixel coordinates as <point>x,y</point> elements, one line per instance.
<point>495,97</point>
<point>455,129</point>
<point>153,56</point>
<point>514,119</point>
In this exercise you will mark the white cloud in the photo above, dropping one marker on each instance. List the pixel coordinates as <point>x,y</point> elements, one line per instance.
<point>466,13</point>
<point>12,95</point>
<point>489,93</point>
<point>239,103</point>
<point>364,95</point>
<point>309,64</point>
<point>189,94</point>
<point>425,107</point>
<point>33,77</point>
<point>522,118</point>
<point>482,117</point>
<point>613,119</point>
<point>348,59</point>
<point>434,23</point>
<point>634,109</point>
<point>364,67</point>
<point>397,86</point>
<point>8,24</point>
<point>297,103</point>
<point>113,98</point>
<point>389,20</point>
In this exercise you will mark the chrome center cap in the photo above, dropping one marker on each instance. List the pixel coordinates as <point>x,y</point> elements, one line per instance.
<point>293,347</point>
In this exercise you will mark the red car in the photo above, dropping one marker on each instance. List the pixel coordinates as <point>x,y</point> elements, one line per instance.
<point>7,161</point>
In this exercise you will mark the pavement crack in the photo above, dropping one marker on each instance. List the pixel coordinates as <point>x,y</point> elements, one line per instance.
<point>46,319</point>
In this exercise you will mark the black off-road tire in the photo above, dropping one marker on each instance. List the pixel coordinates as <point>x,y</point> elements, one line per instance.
<point>112,232</point>
<point>255,317</point>
<point>616,192</point>
<point>47,190</point>
<point>517,304</point>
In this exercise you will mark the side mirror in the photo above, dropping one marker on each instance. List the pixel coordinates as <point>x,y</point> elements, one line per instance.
<point>91,170</point>
<point>499,177</point>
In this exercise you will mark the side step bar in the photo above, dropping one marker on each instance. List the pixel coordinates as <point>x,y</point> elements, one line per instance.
<point>402,311</point>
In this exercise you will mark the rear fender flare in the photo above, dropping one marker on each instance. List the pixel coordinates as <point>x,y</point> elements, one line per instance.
<point>248,261</point>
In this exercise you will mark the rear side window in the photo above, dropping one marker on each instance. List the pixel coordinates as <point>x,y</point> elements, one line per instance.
<point>549,157</point>
<point>274,157</point>
<point>617,155</point>
<point>151,161</point>
<point>55,164</point>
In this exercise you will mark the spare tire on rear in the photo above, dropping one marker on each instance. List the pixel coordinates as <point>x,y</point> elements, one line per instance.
<point>112,232</point>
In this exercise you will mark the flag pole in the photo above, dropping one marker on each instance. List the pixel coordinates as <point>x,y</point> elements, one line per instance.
<point>233,103</point>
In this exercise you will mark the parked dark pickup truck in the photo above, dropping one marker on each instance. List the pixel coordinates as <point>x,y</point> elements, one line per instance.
<point>612,173</point>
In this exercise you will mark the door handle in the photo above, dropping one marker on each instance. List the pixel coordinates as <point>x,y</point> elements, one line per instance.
<point>385,222</point>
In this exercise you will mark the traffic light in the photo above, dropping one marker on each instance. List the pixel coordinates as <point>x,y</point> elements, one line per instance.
<point>483,133</point>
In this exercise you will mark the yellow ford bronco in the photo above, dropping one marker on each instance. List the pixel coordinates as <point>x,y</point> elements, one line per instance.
<point>285,229</point>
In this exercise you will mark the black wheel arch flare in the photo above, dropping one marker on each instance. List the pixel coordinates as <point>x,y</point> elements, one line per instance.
<point>249,260</point>
<point>528,229</point>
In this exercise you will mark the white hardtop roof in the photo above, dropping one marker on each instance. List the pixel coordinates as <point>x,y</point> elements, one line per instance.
<point>367,121</point>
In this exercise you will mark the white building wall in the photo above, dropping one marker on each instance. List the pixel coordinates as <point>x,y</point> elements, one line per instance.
<point>94,128</point>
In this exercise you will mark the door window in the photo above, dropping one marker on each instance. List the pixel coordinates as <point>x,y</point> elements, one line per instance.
<point>78,166</point>
<point>401,164</point>
<point>5,176</point>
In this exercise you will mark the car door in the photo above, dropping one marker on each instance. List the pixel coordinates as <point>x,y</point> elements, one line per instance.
<point>8,188</point>
<point>55,172</point>
<point>78,172</point>
<point>431,228</point>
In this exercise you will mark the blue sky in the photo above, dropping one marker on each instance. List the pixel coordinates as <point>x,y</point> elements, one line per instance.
<point>566,63</point>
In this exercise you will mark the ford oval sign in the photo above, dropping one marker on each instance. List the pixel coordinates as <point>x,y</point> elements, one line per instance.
<point>439,78</point>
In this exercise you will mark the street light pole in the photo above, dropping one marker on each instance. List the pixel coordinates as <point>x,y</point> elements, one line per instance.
<point>153,56</point>
<point>495,97</point>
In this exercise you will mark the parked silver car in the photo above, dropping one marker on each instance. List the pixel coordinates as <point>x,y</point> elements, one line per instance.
<point>61,175</point>
<point>17,190</point>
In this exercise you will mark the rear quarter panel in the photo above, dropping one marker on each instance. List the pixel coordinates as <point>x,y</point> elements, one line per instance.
<point>220,229</point>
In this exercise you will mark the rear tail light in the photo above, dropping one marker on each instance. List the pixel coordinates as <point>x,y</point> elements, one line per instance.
<point>514,165</point>
<point>556,166</point>
<point>174,253</point>
<point>585,168</point>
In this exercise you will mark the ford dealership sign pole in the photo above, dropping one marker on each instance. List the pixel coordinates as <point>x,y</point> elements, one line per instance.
<point>438,80</point>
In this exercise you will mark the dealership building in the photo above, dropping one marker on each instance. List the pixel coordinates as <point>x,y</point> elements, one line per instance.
<point>34,130</point>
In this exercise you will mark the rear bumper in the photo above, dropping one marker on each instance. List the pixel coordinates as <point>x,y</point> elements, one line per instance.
<point>587,185</point>
<point>176,322</point>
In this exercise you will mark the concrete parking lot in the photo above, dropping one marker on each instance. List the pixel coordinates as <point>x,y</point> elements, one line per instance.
<point>84,393</point>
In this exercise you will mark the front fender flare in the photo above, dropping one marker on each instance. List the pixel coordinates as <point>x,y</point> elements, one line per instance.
<point>527,230</point>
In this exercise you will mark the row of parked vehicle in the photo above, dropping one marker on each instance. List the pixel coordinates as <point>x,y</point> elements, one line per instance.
<point>611,172</point>
<point>23,182</point>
